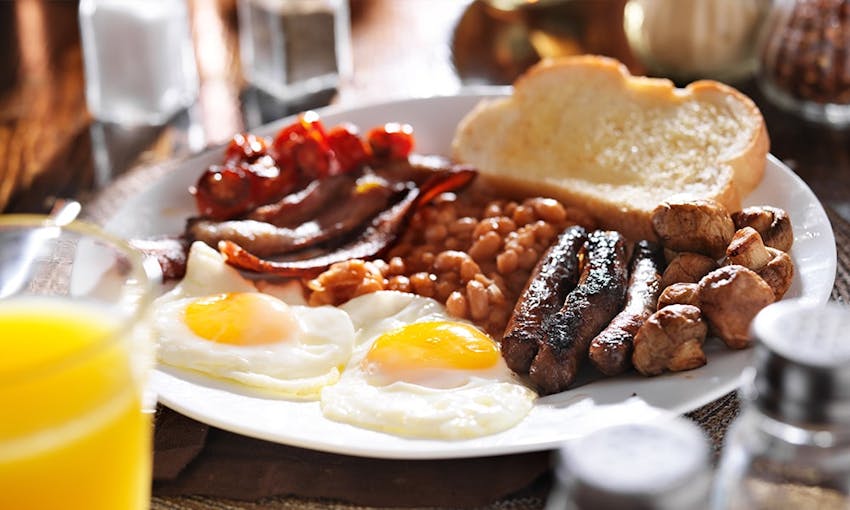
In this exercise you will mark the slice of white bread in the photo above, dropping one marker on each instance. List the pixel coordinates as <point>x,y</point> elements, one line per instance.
<point>585,131</point>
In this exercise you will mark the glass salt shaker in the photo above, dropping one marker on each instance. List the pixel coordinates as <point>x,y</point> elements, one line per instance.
<point>790,446</point>
<point>805,59</point>
<point>658,465</point>
<point>139,60</point>
<point>293,48</point>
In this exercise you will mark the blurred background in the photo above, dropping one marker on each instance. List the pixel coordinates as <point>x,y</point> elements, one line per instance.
<point>63,131</point>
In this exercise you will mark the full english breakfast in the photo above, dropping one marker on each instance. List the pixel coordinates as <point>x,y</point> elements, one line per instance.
<point>590,221</point>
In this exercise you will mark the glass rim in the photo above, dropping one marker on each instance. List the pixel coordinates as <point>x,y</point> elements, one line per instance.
<point>145,271</point>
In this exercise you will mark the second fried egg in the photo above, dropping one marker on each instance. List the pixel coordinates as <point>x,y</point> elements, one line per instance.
<point>417,372</point>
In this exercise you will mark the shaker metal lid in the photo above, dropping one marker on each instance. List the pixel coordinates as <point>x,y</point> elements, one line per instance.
<point>802,361</point>
<point>659,464</point>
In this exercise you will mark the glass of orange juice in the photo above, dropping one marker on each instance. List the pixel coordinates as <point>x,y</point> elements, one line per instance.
<point>74,351</point>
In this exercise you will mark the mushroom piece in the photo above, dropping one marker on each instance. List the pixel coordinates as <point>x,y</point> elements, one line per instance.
<point>687,268</point>
<point>773,265</point>
<point>679,294</point>
<point>695,225</point>
<point>778,273</point>
<point>729,299</point>
<point>772,223</point>
<point>670,339</point>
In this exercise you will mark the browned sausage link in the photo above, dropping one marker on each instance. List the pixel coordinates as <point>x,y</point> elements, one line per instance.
<point>305,204</point>
<point>555,275</point>
<point>611,350</point>
<point>588,308</point>
<point>264,239</point>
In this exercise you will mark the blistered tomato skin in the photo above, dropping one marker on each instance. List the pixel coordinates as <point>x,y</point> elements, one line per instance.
<point>392,140</point>
<point>223,192</point>
<point>313,159</point>
<point>269,182</point>
<point>349,149</point>
<point>307,126</point>
<point>245,147</point>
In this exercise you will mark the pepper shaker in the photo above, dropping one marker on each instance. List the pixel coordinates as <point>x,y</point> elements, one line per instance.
<point>790,446</point>
<point>291,49</point>
<point>805,59</point>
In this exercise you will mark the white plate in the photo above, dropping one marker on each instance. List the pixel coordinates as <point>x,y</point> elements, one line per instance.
<point>164,206</point>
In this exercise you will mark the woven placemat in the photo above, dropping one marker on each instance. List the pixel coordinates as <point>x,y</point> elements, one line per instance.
<point>714,417</point>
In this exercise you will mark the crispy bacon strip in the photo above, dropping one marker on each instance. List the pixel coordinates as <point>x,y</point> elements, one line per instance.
<point>379,236</point>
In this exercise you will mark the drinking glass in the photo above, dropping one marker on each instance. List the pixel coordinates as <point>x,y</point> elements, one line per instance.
<point>74,353</point>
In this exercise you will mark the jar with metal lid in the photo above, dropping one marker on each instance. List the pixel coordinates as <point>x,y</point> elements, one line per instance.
<point>790,446</point>
<point>662,464</point>
<point>805,59</point>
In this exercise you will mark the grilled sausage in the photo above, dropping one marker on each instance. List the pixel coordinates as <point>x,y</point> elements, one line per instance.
<point>611,350</point>
<point>554,276</point>
<point>588,308</point>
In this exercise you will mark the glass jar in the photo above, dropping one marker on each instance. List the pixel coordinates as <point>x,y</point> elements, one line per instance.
<point>658,465</point>
<point>790,447</point>
<point>688,40</point>
<point>805,59</point>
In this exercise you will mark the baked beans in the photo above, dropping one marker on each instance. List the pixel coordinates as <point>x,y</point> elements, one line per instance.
<point>475,256</point>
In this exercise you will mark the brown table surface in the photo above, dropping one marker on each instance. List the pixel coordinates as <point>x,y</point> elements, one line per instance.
<point>49,146</point>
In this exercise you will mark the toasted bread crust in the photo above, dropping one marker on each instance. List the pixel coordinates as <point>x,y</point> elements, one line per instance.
<point>542,139</point>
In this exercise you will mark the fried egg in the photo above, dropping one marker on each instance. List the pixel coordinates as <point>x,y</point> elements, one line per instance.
<point>417,372</point>
<point>216,322</point>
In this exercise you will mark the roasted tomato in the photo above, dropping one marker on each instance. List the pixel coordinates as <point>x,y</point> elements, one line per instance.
<point>314,159</point>
<point>269,182</point>
<point>223,192</point>
<point>245,147</point>
<point>307,130</point>
<point>392,140</point>
<point>349,150</point>
<point>231,190</point>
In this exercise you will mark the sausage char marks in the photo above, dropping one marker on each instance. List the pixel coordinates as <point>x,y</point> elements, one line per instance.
<point>555,275</point>
<point>588,308</point>
<point>575,290</point>
<point>611,350</point>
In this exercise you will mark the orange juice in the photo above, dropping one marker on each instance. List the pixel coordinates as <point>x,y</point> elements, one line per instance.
<point>72,432</point>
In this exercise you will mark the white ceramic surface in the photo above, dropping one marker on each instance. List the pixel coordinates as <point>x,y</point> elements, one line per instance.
<point>164,206</point>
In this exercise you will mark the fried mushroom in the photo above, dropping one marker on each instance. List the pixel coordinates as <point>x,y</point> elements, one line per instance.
<point>772,223</point>
<point>693,225</point>
<point>773,265</point>
<point>670,339</point>
<point>778,273</point>
<point>679,294</point>
<point>729,299</point>
<point>687,268</point>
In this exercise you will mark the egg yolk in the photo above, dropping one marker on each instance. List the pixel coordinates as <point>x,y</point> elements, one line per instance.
<point>432,345</point>
<point>241,318</point>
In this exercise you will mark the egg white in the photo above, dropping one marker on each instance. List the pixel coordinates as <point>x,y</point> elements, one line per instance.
<point>471,404</point>
<point>295,367</point>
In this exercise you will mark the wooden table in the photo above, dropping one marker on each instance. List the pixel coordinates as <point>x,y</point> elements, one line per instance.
<point>50,147</point>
